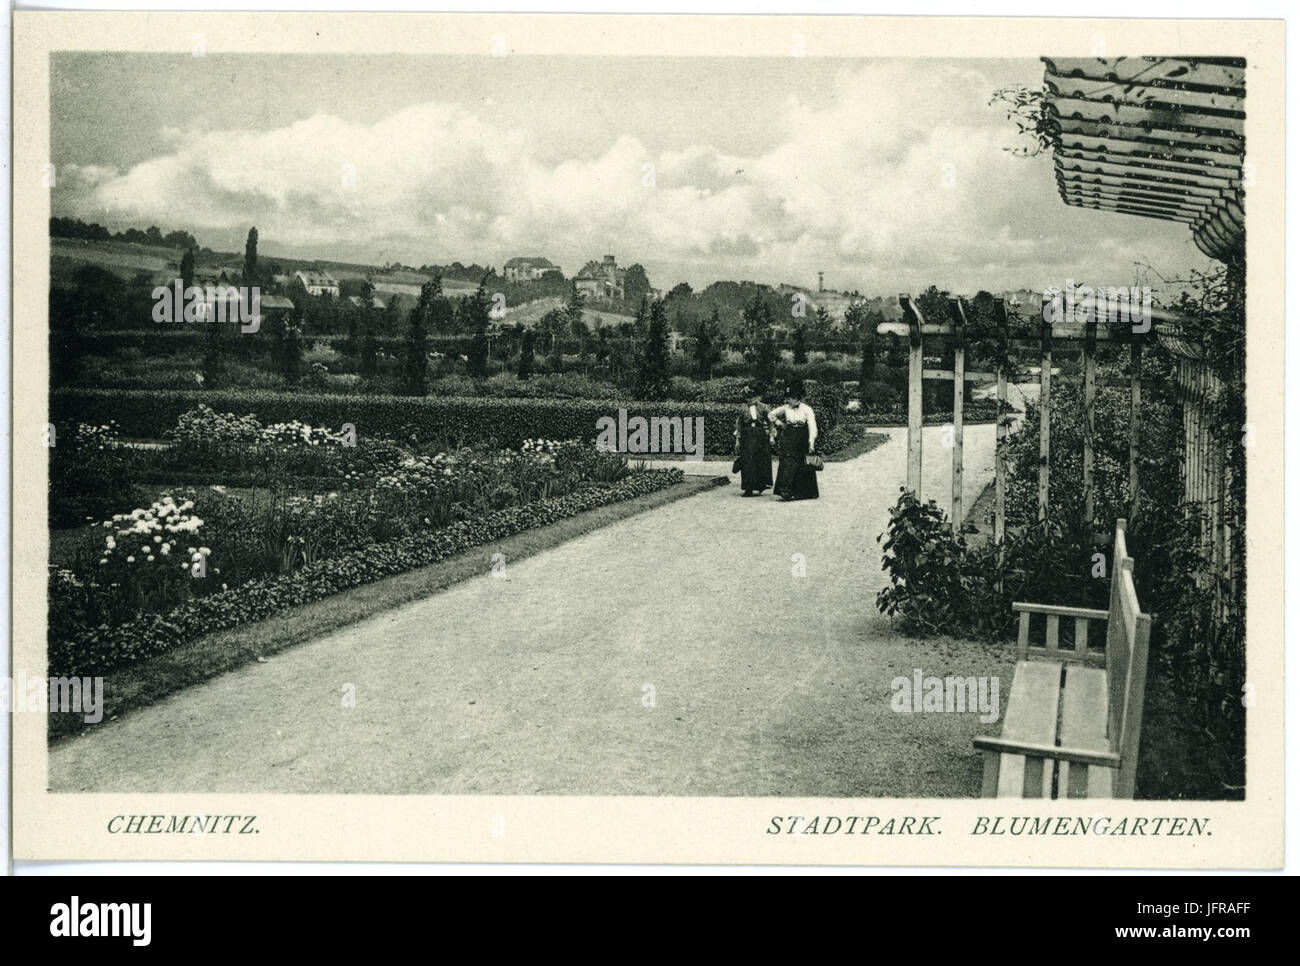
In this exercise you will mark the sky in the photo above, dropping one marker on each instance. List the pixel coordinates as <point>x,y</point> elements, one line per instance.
<point>887,174</point>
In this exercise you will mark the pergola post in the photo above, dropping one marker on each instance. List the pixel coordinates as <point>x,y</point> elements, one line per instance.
<point>958,397</point>
<point>1000,424</point>
<point>1089,399</point>
<point>1134,424</point>
<point>915,396</point>
<point>1045,420</point>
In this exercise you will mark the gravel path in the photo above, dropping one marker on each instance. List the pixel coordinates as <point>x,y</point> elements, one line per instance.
<point>674,652</point>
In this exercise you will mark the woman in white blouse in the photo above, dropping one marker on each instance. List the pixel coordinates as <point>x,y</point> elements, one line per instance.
<point>797,423</point>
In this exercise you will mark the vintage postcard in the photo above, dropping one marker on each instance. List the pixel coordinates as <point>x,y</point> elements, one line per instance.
<point>656,439</point>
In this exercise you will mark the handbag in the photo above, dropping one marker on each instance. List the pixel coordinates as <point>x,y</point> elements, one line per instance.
<point>815,461</point>
<point>735,467</point>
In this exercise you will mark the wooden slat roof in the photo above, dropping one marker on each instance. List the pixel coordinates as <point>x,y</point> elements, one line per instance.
<point>1154,137</point>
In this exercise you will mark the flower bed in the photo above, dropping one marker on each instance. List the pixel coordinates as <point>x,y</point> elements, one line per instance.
<point>112,645</point>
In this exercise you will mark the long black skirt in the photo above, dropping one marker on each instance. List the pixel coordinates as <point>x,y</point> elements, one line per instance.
<point>794,477</point>
<point>755,459</point>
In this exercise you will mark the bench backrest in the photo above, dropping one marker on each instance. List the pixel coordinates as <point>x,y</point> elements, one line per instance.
<point>1128,632</point>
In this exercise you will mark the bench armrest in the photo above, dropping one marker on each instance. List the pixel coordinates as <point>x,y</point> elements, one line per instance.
<point>1080,756</point>
<point>1020,607</point>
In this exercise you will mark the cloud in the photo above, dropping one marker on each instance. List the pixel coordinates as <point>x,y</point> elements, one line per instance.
<point>899,178</point>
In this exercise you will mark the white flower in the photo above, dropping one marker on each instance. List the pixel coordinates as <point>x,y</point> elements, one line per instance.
<point>130,559</point>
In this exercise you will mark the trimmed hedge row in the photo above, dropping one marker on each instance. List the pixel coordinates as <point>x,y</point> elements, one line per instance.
<point>106,341</point>
<point>458,419</point>
<point>978,411</point>
<point>149,413</point>
<point>113,646</point>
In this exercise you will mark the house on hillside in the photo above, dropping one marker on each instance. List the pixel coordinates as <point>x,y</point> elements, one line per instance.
<point>225,302</point>
<point>217,275</point>
<point>835,303</point>
<point>602,280</point>
<point>318,282</point>
<point>375,301</point>
<point>528,268</point>
<point>275,306</point>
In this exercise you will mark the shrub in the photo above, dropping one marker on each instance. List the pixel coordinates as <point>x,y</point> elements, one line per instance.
<point>827,401</point>
<point>90,474</point>
<point>876,394</point>
<point>941,584</point>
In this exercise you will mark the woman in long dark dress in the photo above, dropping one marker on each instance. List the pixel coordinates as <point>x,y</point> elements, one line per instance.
<point>754,448</point>
<point>795,479</point>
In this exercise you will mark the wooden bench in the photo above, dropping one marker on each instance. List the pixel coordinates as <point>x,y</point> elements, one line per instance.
<point>1074,717</point>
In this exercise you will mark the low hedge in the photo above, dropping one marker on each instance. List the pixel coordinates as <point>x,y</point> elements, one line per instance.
<point>108,647</point>
<point>978,411</point>
<point>148,414</point>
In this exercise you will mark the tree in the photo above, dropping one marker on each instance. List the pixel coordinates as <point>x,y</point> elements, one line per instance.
<point>800,344</point>
<point>555,358</point>
<point>187,269</point>
<point>652,374</point>
<point>212,350</point>
<point>369,348</point>
<point>97,299</point>
<point>357,317</point>
<point>753,320</point>
<point>855,321</point>
<point>250,258</point>
<point>477,311</point>
<point>933,304</point>
<point>822,323</point>
<point>526,354</point>
<point>765,360</point>
<point>553,322</point>
<point>577,326</point>
<point>641,324</point>
<point>391,316</point>
<point>681,292</point>
<point>574,306</point>
<point>289,354</point>
<point>707,351</point>
<point>636,285</point>
<point>868,371</point>
<point>416,369</point>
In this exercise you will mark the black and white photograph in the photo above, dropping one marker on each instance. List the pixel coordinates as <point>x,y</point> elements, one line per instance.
<point>858,425</point>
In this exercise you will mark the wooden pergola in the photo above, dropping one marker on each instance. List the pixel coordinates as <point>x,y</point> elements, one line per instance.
<point>1154,137</point>
<point>1151,137</point>
<point>1045,337</point>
